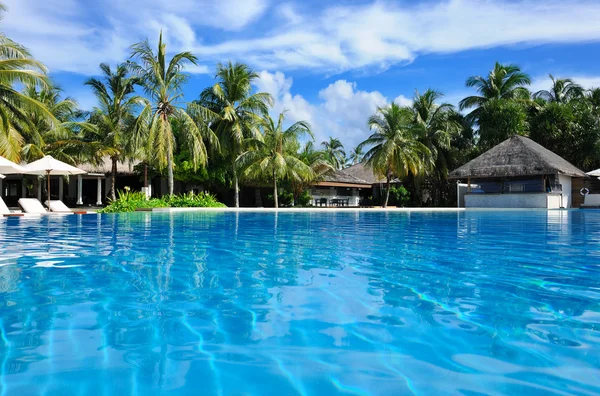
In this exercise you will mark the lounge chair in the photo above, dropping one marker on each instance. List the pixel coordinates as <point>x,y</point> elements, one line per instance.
<point>4,211</point>
<point>32,205</point>
<point>58,206</point>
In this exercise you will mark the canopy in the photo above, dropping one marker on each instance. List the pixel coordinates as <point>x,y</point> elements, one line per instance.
<point>8,167</point>
<point>594,173</point>
<point>49,166</point>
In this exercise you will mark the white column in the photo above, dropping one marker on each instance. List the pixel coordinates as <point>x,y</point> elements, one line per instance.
<point>99,192</point>
<point>79,191</point>
<point>60,188</point>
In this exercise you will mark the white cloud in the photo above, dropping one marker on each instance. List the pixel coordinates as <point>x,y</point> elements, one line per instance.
<point>342,110</point>
<point>71,35</point>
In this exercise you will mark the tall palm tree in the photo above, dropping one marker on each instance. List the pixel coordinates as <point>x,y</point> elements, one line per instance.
<point>436,126</point>
<point>163,81</point>
<point>503,82</point>
<point>562,91</point>
<point>238,110</point>
<point>395,148</point>
<point>356,155</point>
<point>113,117</point>
<point>17,67</point>
<point>272,156</point>
<point>335,152</point>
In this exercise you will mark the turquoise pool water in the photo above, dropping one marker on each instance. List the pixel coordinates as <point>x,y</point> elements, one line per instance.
<point>301,303</point>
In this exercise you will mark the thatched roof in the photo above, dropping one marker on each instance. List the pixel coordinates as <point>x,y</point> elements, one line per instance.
<point>516,156</point>
<point>338,176</point>
<point>364,172</point>
<point>124,168</point>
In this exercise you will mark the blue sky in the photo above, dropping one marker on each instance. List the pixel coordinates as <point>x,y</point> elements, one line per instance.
<point>328,62</point>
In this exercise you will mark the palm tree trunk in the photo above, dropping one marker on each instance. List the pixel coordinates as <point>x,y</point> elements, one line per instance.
<point>170,171</point>
<point>275,190</point>
<point>236,188</point>
<point>387,193</point>
<point>113,171</point>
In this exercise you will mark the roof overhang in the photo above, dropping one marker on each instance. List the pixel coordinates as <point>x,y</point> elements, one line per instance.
<point>338,184</point>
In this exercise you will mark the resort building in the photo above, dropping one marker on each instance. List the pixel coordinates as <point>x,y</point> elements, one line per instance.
<point>518,173</point>
<point>340,189</point>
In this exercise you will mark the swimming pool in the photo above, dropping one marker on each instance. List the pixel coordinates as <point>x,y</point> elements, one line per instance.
<point>301,303</point>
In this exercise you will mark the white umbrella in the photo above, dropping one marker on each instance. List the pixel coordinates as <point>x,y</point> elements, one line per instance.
<point>2,176</point>
<point>594,173</point>
<point>49,166</point>
<point>8,167</point>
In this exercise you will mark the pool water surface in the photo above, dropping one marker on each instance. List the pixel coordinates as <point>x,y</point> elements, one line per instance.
<point>301,303</point>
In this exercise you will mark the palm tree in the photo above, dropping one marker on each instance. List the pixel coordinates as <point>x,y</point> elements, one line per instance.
<point>395,147</point>
<point>503,82</point>
<point>232,99</point>
<point>335,152</point>
<point>318,161</point>
<point>113,117</point>
<point>45,137</point>
<point>562,91</point>
<point>272,156</point>
<point>163,81</point>
<point>18,67</point>
<point>436,126</point>
<point>356,155</point>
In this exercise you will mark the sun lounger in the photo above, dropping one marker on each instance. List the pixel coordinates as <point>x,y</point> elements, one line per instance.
<point>58,206</point>
<point>32,205</point>
<point>4,211</point>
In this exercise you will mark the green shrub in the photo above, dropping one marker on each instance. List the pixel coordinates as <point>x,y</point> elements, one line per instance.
<point>304,199</point>
<point>129,201</point>
<point>399,196</point>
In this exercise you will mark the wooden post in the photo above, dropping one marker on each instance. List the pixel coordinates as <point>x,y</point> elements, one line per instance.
<point>468,184</point>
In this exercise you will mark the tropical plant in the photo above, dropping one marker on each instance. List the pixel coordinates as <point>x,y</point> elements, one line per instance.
<point>113,119</point>
<point>503,82</point>
<point>272,156</point>
<point>395,148</point>
<point>130,201</point>
<point>45,137</point>
<point>356,155</point>
<point>334,150</point>
<point>18,67</point>
<point>499,120</point>
<point>238,109</point>
<point>436,125</point>
<point>163,81</point>
<point>318,161</point>
<point>562,91</point>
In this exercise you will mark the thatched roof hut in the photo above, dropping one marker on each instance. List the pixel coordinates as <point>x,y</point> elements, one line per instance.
<point>516,157</point>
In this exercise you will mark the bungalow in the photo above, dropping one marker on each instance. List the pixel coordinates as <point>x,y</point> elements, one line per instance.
<point>339,188</point>
<point>518,173</point>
